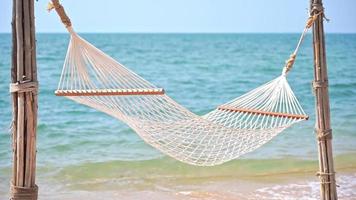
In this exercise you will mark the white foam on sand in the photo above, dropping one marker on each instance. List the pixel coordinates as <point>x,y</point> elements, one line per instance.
<point>288,189</point>
<point>308,190</point>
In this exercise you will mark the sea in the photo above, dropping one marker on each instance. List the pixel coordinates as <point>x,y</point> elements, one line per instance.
<point>85,153</point>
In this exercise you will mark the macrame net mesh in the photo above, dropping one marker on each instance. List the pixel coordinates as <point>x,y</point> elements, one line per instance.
<point>233,129</point>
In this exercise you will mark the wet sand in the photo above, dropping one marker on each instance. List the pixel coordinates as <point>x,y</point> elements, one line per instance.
<point>282,186</point>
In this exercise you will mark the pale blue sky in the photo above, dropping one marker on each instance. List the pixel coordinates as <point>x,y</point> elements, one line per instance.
<point>187,15</point>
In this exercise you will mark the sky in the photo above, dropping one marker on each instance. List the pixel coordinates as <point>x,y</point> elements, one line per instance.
<point>189,16</point>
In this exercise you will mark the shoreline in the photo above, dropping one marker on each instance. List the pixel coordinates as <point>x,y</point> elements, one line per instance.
<point>169,179</point>
<point>305,186</point>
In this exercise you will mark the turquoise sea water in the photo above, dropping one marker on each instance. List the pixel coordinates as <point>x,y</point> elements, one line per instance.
<point>200,71</point>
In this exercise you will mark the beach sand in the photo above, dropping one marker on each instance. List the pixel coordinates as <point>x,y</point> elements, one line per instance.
<point>261,188</point>
<point>167,179</point>
<point>264,187</point>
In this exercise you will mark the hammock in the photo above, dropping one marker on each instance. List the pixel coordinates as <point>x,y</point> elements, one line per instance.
<point>92,78</point>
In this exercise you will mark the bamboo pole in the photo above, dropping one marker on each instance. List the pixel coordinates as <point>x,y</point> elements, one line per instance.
<point>322,125</point>
<point>23,88</point>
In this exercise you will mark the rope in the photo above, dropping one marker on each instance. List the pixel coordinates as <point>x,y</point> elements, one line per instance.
<point>23,193</point>
<point>312,19</point>
<point>324,135</point>
<point>26,86</point>
<point>320,84</point>
<point>290,62</point>
<point>317,7</point>
<point>60,11</point>
<point>326,177</point>
<point>214,138</point>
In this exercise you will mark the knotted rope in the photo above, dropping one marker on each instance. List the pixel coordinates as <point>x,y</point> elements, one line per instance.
<point>312,19</point>
<point>290,62</point>
<point>324,177</point>
<point>21,87</point>
<point>23,193</point>
<point>60,10</point>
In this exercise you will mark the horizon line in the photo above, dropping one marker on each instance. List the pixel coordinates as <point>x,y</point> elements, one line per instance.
<point>148,32</point>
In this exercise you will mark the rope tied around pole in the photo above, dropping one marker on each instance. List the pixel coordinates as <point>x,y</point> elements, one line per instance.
<point>23,193</point>
<point>318,8</point>
<point>324,135</point>
<point>290,62</point>
<point>323,176</point>
<point>24,86</point>
<point>320,84</point>
<point>312,19</point>
<point>323,130</point>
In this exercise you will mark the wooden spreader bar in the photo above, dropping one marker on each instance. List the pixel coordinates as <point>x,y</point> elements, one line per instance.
<point>110,92</point>
<point>274,114</point>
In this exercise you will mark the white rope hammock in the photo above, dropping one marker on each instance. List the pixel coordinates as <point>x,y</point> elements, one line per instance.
<point>92,78</point>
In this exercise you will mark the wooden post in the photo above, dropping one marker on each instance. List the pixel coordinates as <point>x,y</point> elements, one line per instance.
<point>23,88</point>
<point>322,125</point>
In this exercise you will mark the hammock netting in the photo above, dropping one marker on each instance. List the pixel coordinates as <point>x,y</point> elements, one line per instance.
<point>92,78</point>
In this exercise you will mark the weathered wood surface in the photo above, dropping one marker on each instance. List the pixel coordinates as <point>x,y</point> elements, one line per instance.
<point>322,125</point>
<point>24,100</point>
<point>110,92</point>
<point>261,112</point>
